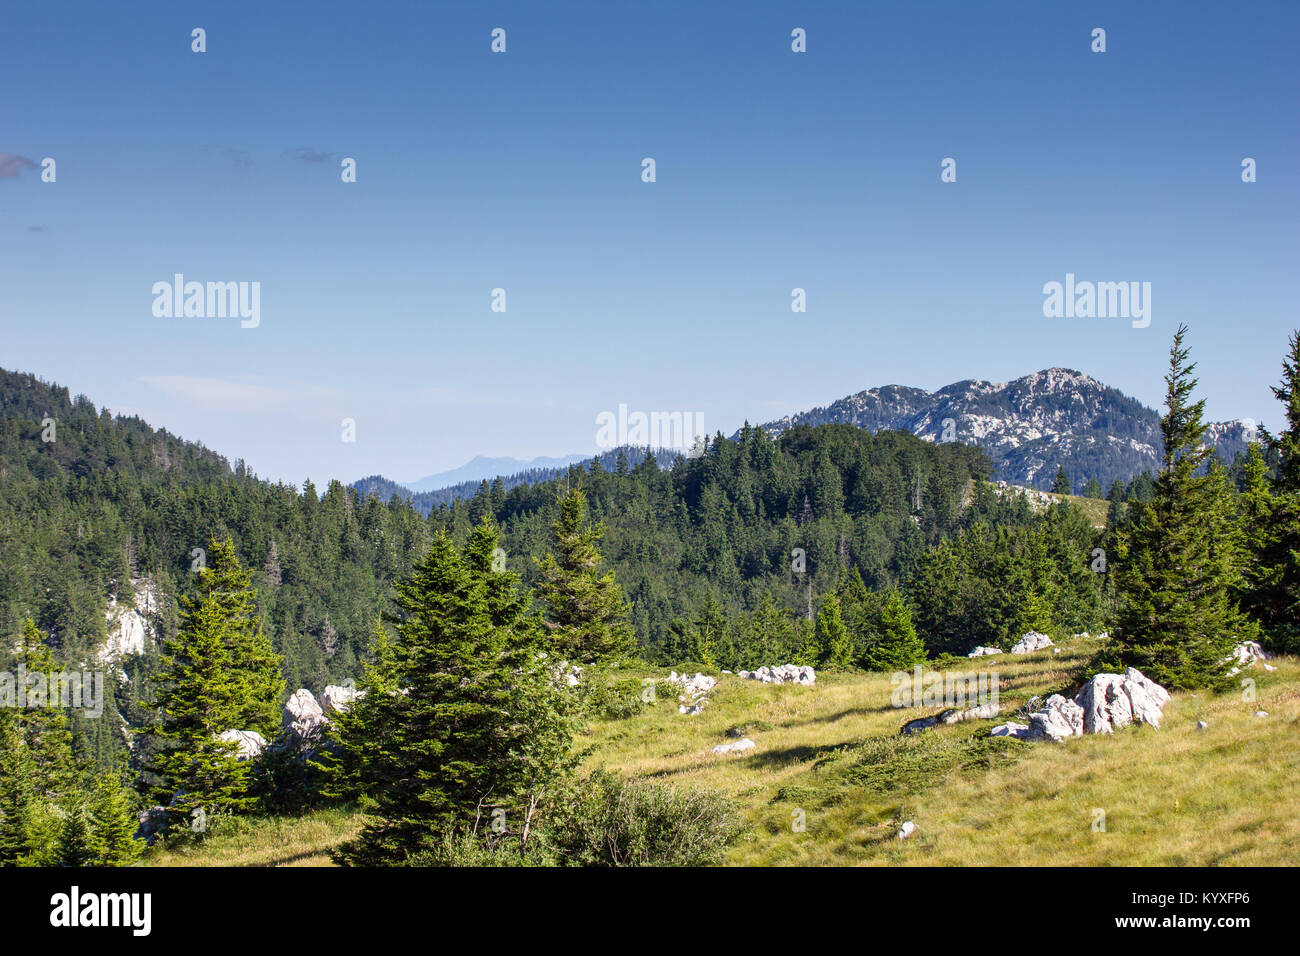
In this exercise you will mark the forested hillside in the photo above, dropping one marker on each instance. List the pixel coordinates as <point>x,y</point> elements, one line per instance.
<point>726,558</point>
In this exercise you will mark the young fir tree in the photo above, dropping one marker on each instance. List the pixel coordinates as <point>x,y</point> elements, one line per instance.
<point>1061,483</point>
<point>113,823</point>
<point>218,673</point>
<point>832,636</point>
<point>1178,560</point>
<point>467,725</point>
<point>18,841</point>
<point>585,609</point>
<point>895,645</point>
<point>357,757</point>
<point>1274,528</point>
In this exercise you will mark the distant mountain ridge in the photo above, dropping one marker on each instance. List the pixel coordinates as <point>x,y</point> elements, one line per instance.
<point>426,501</point>
<point>480,468</point>
<point>1029,426</point>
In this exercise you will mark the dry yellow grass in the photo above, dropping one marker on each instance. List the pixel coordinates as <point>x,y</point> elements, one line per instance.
<point>264,841</point>
<point>1174,796</point>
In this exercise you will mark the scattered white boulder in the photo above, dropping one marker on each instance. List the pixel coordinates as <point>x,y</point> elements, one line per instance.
<point>1245,654</point>
<point>250,743</point>
<point>1201,725</point>
<point>694,693</point>
<point>783,674</point>
<point>568,674</point>
<point>983,651</point>
<point>696,686</point>
<point>740,746</point>
<point>1033,641</point>
<point>906,830</point>
<point>1261,713</point>
<point>1059,719</point>
<point>953,715</point>
<point>1009,729</point>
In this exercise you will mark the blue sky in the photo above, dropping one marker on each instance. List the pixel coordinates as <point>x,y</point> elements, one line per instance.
<point>522,171</point>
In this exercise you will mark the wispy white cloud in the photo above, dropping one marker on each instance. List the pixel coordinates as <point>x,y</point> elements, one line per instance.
<point>215,394</point>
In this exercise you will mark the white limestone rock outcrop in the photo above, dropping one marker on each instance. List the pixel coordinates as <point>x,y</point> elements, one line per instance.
<point>1105,704</point>
<point>129,624</point>
<point>303,716</point>
<point>250,743</point>
<point>783,674</point>
<point>335,699</point>
<point>983,651</point>
<point>1033,641</point>
<point>1112,701</point>
<point>740,746</point>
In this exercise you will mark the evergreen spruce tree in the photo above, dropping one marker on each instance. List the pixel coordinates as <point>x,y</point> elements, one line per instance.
<point>54,808</point>
<point>1274,518</point>
<point>218,673</point>
<point>832,636</point>
<point>113,823</point>
<point>1178,562</point>
<point>895,645</point>
<point>468,724</point>
<point>585,609</point>
<point>17,794</point>
<point>1061,483</point>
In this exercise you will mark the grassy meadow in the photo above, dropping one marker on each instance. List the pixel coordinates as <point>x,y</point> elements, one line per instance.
<point>831,780</point>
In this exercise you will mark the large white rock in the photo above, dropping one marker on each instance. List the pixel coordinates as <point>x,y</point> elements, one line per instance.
<point>335,699</point>
<point>1033,641</point>
<point>1146,698</point>
<point>696,686</point>
<point>302,715</point>
<point>738,747</point>
<point>1106,705</point>
<point>249,742</point>
<point>983,651</point>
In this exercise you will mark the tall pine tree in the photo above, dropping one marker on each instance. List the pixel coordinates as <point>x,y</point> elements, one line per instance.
<point>1178,562</point>
<point>218,673</point>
